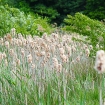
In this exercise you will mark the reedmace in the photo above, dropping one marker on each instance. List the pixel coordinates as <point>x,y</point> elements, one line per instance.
<point>100,67</point>
<point>100,61</point>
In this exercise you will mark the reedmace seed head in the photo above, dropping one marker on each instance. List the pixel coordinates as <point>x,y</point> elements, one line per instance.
<point>18,62</point>
<point>100,61</point>
<point>61,51</point>
<point>6,44</point>
<point>87,51</point>
<point>29,58</point>
<point>55,63</point>
<point>22,52</point>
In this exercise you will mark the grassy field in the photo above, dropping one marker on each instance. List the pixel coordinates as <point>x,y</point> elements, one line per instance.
<point>51,70</point>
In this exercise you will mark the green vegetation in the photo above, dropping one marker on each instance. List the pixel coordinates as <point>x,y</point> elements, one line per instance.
<point>45,68</point>
<point>94,30</point>
<point>46,11</point>
<point>23,90</point>
<point>30,75</point>
<point>25,24</point>
<point>95,9</point>
<point>57,10</point>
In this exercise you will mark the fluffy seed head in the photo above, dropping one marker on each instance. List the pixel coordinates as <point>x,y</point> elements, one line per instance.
<point>6,44</point>
<point>18,62</point>
<point>61,51</point>
<point>87,51</point>
<point>29,58</point>
<point>100,61</point>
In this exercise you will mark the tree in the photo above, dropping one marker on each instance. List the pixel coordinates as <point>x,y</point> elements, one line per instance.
<point>95,9</point>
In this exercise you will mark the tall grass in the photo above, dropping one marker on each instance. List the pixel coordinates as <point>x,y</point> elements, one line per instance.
<point>27,84</point>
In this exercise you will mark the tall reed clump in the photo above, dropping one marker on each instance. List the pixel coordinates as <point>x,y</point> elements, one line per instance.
<point>47,70</point>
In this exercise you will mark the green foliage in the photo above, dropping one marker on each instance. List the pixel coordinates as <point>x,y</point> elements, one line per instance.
<point>95,9</point>
<point>63,7</point>
<point>19,88</point>
<point>25,24</point>
<point>22,5</point>
<point>55,10</point>
<point>46,11</point>
<point>93,29</point>
<point>10,2</point>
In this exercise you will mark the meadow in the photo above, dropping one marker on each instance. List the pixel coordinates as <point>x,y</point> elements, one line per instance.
<point>49,70</point>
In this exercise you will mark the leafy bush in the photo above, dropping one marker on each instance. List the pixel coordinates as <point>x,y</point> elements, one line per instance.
<point>21,4</point>
<point>93,29</point>
<point>25,24</point>
<point>46,11</point>
<point>96,14</point>
<point>95,9</point>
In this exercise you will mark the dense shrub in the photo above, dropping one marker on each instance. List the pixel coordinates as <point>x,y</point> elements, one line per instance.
<point>82,24</point>
<point>95,9</point>
<point>20,4</point>
<point>57,10</point>
<point>25,24</point>
<point>46,11</point>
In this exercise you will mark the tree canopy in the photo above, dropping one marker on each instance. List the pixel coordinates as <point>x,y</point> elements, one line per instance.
<point>57,10</point>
